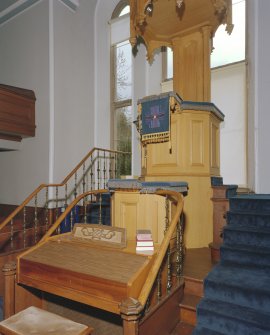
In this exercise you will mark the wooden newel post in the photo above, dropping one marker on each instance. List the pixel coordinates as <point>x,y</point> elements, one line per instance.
<point>130,312</point>
<point>9,271</point>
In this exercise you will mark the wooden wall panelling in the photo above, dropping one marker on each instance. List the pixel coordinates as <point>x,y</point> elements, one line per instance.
<point>17,113</point>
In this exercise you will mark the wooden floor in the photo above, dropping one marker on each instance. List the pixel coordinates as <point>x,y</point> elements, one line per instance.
<point>197,263</point>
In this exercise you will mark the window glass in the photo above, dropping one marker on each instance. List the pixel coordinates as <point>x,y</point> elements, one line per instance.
<point>122,132</point>
<point>231,48</point>
<point>122,75</point>
<point>125,10</point>
<point>169,63</point>
<point>122,137</point>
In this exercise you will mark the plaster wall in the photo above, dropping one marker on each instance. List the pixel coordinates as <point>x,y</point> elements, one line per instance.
<point>24,62</point>
<point>259,83</point>
<point>228,92</point>
<point>74,116</point>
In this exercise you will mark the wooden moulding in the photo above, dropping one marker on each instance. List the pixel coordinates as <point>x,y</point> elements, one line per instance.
<point>17,113</point>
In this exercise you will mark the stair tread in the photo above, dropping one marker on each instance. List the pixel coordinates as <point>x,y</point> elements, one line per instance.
<point>252,229</point>
<point>247,248</point>
<point>205,331</point>
<point>190,301</point>
<point>253,196</point>
<point>236,312</point>
<point>242,277</point>
<point>251,213</point>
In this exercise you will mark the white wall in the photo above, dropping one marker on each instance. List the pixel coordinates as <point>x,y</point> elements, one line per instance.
<point>104,10</point>
<point>24,63</point>
<point>228,92</point>
<point>259,81</point>
<point>73,85</point>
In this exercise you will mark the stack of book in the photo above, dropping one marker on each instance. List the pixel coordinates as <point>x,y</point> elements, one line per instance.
<point>144,241</point>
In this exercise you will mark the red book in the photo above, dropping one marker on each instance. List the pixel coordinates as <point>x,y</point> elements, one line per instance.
<point>144,235</point>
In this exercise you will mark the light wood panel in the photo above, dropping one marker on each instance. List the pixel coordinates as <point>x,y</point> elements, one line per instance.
<point>194,147</point>
<point>132,210</point>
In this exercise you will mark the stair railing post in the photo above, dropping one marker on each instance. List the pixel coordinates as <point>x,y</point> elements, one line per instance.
<point>35,220</point>
<point>130,310</point>
<point>24,227</point>
<point>47,209</point>
<point>104,171</point>
<point>9,272</point>
<point>11,234</point>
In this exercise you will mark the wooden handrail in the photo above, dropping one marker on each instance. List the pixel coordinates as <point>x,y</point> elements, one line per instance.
<point>42,186</point>
<point>147,287</point>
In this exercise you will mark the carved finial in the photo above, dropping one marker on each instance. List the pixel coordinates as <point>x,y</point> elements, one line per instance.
<point>11,266</point>
<point>179,3</point>
<point>223,9</point>
<point>229,28</point>
<point>130,306</point>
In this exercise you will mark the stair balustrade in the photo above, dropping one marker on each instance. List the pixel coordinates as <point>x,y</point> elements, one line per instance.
<point>26,225</point>
<point>164,282</point>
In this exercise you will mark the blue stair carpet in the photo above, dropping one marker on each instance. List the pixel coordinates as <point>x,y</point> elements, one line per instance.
<point>237,291</point>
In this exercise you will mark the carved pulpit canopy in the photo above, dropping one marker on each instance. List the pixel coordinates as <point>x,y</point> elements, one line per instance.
<point>159,22</point>
<point>188,27</point>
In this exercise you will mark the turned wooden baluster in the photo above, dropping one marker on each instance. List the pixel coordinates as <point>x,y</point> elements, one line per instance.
<point>85,198</point>
<point>56,208</point>
<point>24,227</point>
<point>159,287</point>
<point>98,171</point>
<point>47,209</point>
<point>104,171</point>
<point>75,185</point>
<point>35,220</point>
<point>110,166</point>
<point>115,165</point>
<point>179,248</point>
<point>92,180</point>
<point>11,235</point>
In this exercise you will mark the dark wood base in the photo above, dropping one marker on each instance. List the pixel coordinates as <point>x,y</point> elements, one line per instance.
<point>164,317</point>
<point>215,252</point>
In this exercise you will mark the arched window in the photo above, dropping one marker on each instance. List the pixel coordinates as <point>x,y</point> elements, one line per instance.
<point>121,83</point>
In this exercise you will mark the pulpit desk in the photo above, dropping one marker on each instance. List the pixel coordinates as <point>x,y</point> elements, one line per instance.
<point>94,275</point>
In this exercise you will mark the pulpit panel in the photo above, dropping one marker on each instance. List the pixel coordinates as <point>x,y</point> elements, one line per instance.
<point>133,211</point>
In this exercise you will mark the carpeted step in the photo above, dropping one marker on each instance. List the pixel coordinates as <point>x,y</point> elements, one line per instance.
<point>255,203</point>
<point>245,286</point>
<point>245,255</point>
<point>205,331</point>
<point>249,236</point>
<point>258,220</point>
<point>231,319</point>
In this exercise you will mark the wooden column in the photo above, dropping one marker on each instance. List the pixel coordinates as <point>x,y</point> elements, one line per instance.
<point>191,65</point>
